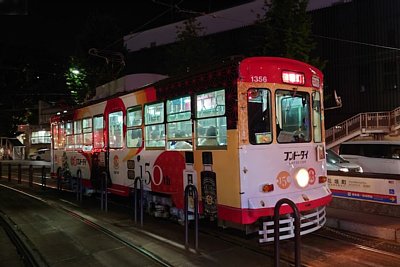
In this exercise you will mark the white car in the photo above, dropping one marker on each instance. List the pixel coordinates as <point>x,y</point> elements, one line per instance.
<point>40,154</point>
<point>335,162</point>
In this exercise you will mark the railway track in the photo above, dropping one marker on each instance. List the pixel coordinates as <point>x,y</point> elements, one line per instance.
<point>316,251</point>
<point>377,246</point>
<point>326,247</point>
<point>27,252</point>
<point>30,252</point>
<point>383,253</point>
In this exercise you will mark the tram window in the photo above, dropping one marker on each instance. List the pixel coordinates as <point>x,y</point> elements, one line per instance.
<point>134,137</point>
<point>78,137</point>
<point>317,117</point>
<point>179,135</point>
<point>115,126</point>
<point>155,136</point>
<point>70,143</point>
<point>134,116</point>
<point>87,131</point>
<point>61,136</point>
<point>154,113</point>
<point>293,116</point>
<point>179,109</point>
<point>54,133</point>
<point>259,116</point>
<point>210,104</point>
<point>68,128</point>
<point>98,129</point>
<point>211,132</point>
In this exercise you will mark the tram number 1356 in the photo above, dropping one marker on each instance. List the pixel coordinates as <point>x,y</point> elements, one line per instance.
<point>258,79</point>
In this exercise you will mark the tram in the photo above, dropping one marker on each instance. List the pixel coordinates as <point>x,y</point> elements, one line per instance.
<point>246,133</point>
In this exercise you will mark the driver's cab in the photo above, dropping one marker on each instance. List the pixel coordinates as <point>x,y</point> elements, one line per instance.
<point>293,116</point>
<point>293,120</point>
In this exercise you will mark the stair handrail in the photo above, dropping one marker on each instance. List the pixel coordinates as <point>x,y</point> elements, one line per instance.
<point>393,121</point>
<point>345,124</point>
<point>395,118</point>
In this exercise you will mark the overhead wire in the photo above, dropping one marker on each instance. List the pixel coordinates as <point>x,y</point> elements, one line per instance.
<point>143,25</point>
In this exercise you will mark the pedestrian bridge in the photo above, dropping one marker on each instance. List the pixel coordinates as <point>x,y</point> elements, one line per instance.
<point>375,123</point>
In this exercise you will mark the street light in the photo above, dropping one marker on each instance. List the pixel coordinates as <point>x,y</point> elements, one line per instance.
<point>75,71</point>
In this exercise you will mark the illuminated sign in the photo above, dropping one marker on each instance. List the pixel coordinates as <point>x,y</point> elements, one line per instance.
<point>367,189</point>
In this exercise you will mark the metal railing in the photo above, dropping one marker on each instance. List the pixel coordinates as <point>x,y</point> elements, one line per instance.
<point>138,200</point>
<point>25,171</point>
<point>363,123</point>
<point>297,243</point>
<point>191,191</point>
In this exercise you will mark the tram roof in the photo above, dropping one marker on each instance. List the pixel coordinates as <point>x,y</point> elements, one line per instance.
<point>170,86</point>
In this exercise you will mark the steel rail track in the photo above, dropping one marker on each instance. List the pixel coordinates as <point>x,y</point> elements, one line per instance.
<point>28,253</point>
<point>287,261</point>
<point>98,227</point>
<point>230,239</point>
<point>355,244</point>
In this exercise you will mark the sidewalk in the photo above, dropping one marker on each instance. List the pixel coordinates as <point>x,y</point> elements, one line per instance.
<point>373,225</point>
<point>348,217</point>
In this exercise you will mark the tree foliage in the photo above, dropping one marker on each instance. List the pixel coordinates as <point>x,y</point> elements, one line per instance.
<point>286,28</point>
<point>76,80</point>
<point>191,49</point>
<point>102,36</point>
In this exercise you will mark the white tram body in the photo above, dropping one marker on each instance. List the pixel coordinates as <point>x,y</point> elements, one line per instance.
<point>246,134</point>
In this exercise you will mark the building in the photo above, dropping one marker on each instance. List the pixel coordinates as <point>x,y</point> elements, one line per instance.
<point>360,40</point>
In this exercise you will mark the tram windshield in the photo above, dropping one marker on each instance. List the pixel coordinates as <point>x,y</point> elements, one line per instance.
<point>293,116</point>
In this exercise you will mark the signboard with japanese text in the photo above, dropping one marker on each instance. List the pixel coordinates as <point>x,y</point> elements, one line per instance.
<point>366,189</point>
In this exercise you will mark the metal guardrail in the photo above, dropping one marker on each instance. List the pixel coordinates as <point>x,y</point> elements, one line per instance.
<point>18,169</point>
<point>363,123</point>
<point>191,190</point>
<point>136,196</point>
<point>104,191</point>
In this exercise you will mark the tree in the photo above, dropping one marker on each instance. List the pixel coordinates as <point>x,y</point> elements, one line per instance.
<point>92,67</point>
<point>286,31</point>
<point>76,80</point>
<point>191,49</point>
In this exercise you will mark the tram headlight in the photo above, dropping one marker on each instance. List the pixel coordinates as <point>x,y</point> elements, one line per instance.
<point>302,177</point>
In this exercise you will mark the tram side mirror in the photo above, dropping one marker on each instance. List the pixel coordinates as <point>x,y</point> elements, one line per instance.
<point>338,101</point>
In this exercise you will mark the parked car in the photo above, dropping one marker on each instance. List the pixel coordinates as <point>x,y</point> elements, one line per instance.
<point>335,162</point>
<point>40,154</point>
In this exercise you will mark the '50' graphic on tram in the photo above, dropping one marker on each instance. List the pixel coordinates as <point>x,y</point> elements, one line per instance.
<point>147,175</point>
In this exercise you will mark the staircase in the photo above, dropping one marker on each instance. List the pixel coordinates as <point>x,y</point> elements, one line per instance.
<point>377,123</point>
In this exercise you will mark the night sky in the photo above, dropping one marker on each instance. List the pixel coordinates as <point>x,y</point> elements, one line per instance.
<point>38,36</point>
<point>53,24</point>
